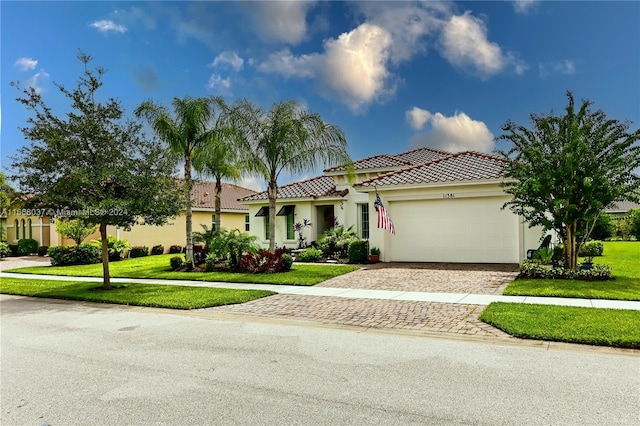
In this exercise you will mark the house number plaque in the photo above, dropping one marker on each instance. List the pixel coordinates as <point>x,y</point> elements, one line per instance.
<point>449,195</point>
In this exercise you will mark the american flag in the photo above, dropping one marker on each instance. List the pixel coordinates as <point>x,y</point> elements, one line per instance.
<point>384,221</point>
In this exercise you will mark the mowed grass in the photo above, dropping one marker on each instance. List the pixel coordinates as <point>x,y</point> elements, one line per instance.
<point>622,256</point>
<point>160,296</point>
<point>603,327</point>
<point>158,267</point>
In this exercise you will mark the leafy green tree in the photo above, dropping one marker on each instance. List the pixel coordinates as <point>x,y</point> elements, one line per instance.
<point>186,134</point>
<point>565,169</point>
<point>604,227</point>
<point>92,164</point>
<point>7,197</point>
<point>75,229</point>
<point>634,222</point>
<point>286,139</point>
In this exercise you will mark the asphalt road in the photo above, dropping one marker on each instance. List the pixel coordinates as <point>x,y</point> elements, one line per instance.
<point>73,363</point>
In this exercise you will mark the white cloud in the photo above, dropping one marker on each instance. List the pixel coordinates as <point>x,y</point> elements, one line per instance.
<point>455,133</point>
<point>465,45</point>
<point>566,67</point>
<point>215,81</point>
<point>524,6</point>
<point>417,117</point>
<point>281,21</point>
<point>228,58</point>
<point>26,64</point>
<point>105,26</point>
<point>286,64</point>
<point>35,80</point>
<point>251,182</point>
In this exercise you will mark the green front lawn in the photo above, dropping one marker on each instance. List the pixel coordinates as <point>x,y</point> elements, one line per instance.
<point>604,327</point>
<point>160,296</point>
<point>622,256</point>
<point>158,267</point>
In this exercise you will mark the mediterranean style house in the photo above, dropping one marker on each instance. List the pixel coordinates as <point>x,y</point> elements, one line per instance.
<point>445,207</point>
<point>233,216</point>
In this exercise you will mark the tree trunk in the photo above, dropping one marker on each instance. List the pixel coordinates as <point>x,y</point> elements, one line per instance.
<point>106,279</point>
<point>273,193</point>
<point>189,219</point>
<point>571,254</point>
<point>218,204</point>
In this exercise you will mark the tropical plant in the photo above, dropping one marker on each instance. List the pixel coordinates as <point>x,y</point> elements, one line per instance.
<point>543,255</point>
<point>335,242</point>
<point>231,245</point>
<point>91,159</point>
<point>285,139</point>
<point>75,229</point>
<point>565,169</point>
<point>206,236</point>
<point>375,251</point>
<point>186,134</point>
<point>299,228</point>
<point>310,254</point>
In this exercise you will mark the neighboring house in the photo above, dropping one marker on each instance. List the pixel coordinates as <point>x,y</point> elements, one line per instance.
<point>446,207</point>
<point>233,215</point>
<point>620,209</point>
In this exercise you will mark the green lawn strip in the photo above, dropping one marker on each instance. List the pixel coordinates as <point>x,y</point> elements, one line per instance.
<point>158,267</point>
<point>153,295</point>
<point>622,256</point>
<point>591,326</point>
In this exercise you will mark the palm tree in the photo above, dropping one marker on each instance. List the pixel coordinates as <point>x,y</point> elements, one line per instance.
<point>219,158</point>
<point>185,134</point>
<point>286,138</point>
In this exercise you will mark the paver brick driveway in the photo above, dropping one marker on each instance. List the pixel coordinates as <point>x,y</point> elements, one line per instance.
<point>395,314</point>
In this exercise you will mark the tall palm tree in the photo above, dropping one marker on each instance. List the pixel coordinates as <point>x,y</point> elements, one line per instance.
<point>286,138</point>
<point>186,134</point>
<point>219,159</point>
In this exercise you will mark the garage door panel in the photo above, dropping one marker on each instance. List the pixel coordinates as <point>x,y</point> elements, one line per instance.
<point>454,230</point>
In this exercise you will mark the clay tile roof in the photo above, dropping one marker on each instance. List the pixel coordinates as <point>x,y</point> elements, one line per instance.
<point>204,195</point>
<point>422,155</point>
<point>321,186</point>
<point>461,166</point>
<point>622,206</point>
<point>374,162</point>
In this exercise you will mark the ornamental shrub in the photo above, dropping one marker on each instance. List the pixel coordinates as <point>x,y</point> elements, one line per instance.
<point>309,254</point>
<point>159,249</point>
<point>262,262</point>
<point>5,251</point>
<point>27,246</point>
<point>139,251</point>
<point>83,254</point>
<point>357,251</point>
<point>176,262</point>
<point>42,250</point>
<point>287,261</point>
<point>531,269</point>
<point>175,249</point>
<point>591,249</point>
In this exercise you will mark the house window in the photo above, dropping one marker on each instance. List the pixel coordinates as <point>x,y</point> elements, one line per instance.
<point>246,223</point>
<point>363,224</point>
<point>266,228</point>
<point>213,222</point>
<point>24,229</point>
<point>289,213</point>
<point>30,229</point>
<point>16,225</point>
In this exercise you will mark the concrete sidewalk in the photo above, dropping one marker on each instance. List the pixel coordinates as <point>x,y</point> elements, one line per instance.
<point>415,296</point>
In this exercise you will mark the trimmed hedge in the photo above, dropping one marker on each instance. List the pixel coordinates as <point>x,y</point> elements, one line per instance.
<point>139,251</point>
<point>529,269</point>
<point>591,249</point>
<point>175,249</point>
<point>357,252</point>
<point>42,250</point>
<point>309,254</point>
<point>176,262</point>
<point>159,249</point>
<point>27,246</point>
<point>83,254</point>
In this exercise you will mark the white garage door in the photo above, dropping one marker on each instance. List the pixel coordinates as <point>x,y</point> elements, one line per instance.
<point>470,230</point>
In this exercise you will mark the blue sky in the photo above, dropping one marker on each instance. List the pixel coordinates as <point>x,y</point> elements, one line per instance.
<point>393,75</point>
